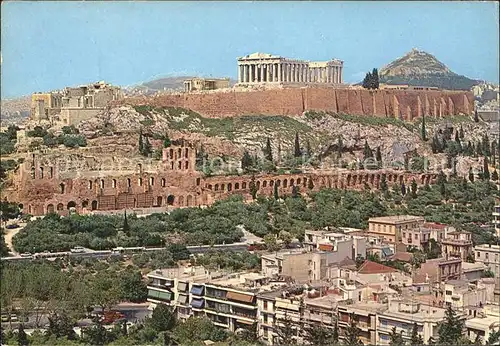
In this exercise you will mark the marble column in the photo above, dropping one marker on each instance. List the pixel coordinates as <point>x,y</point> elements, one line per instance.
<point>340,75</point>
<point>240,80</point>
<point>280,78</point>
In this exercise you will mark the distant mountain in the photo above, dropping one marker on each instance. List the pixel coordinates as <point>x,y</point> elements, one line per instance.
<point>161,84</point>
<point>419,68</point>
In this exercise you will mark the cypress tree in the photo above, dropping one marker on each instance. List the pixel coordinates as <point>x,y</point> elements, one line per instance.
<point>253,187</point>
<point>486,145</point>
<point>308,148</point>
<point>22,337</point>
<point>471,175</point>
<point>335,333</point>
<point>141,143</point>
<point>461,132</point>
<point>414,188</point>
<point>494,175</point>
<point>396,339</point>
<point>378,157</point>
<point>126,227</point>
<point>367,82</point>
<point>403,189</point>
<point>486,169</point>
<point>494,153</point>
<point>457,138</point>
<point>435,145</point>
<point>340,146</point>
<point>383,183</point>
<point>352,333</point>
<point>476,116</point>
<point>450,331</point>
<point>423,133</point>
<point>246,160</point>
<point>367,151</point>
<point>276,195</point>
<point>297,152</point>
<point>416,339</point>
<point>268,154</point>
<point>375,79</point>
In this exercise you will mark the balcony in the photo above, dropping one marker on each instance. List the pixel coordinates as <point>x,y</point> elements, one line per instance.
<point>456,242</point>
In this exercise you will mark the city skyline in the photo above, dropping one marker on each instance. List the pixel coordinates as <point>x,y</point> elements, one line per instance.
<point>127,43</point>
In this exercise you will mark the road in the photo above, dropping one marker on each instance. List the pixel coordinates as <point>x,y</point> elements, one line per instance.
<point>10,233</point>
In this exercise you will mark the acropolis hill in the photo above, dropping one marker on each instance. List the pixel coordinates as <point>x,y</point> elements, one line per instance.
<point>275,98</point>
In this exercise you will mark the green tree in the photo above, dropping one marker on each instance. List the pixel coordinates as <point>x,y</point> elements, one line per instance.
<point>378,157</point>
<point>476,116</point>
<point>375,79</point>
<point>147,148</point>
<point>253,188</point>
<point>367,151</point>
<point>22,337</point>
<point>162,319</point>
<point>286,330</point>
<point>340,146</point>
<point>493,338</point>
<point>414,188</point>
<point>268,153</point>
<point>494,175</point>
<point>141,143</point>
<point>133,288</point>
<point>286,238</point>
<point>271,243</point>
<point>297,151</point>
<point>450,330</point>
<point>335,333</point>
<point>319,335</point>
<point>403,189</point>
<point>246,161</point>
<point>352,333</point>
<point>276,195</point>
<point>367,81</point>
<point>486,169</point>
<point>461,132</point>
<point>308,149</point>
<point>471,175</point>
<point>423,132</point>
<point>383,184</point>
<point>395,338</point>
<point>416,339</point>
<point>197,329</point>
<point>4,249</point>
<point>166,141</point>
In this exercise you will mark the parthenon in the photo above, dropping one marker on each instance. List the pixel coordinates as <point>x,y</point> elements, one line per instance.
<point>267,68</point>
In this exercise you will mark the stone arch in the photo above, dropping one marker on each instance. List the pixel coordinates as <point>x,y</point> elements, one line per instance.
<point>101,183</point>
<point>271,183</point>
<point>237,186</point>
<point>222,187</point>
<point>278,182</point>
<point>189,200</point>
<point>93,205</point>
<point>229,187</point>
<point>389,178</point>
<point>354,179</point>
<point>285,183</point>
<point>292,182</point>
<point>422,179</point>
<point>264,183</point>
<point>179,165</point>
<point>50,208</point>
<point>159,201</point>
<point>151,181</point>
<point>30,209</point>
<point>186,153</point>
<point>401,179</point>
<point>244,185</point>
<point>210,186</point>
<point>71,204</point>
<point>171,153</point>
<point>139,181</point>
<point>170,200</point>
<point>85,204</point>
<point>163,182</point>
<point>60,207</point>
<point>360,179</point>
<point>90,184</point>
<point>186,165</point>
<point>129,182</point>
<point>62,188</point>
<point>372,178</point>
<point>181,201</point>
<point>304,182</point>
<point>258,184</point>
<point>216,188</point>
<point>113,183</point>
<point>298,181</point>
<point>427,179</point>
<point>348,179</point>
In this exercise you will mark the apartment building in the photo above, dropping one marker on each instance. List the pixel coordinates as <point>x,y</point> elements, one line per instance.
<point>457,244</point>
<point>391,228</point>
<point>489,255</point>
<point>484,323</point>
<point>496,220</point>
<point>463,295</point>
<point>336,242</point>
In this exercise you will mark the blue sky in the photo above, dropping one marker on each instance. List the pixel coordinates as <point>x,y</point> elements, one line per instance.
<point>49,45</point>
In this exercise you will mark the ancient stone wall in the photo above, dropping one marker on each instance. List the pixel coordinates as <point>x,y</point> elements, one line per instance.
<point>404,104</point>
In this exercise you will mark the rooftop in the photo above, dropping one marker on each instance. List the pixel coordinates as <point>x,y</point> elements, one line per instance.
<point>369,267</point>
<point>396,219</point>
<point>467,267</point>
<point>487,247</point>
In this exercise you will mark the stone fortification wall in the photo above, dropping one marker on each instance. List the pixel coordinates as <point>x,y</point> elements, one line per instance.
<point>404,104</point>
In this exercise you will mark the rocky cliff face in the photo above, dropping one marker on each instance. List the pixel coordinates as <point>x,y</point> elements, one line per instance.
<point>420,68</point>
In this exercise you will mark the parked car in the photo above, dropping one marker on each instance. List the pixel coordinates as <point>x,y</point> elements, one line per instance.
<point>5,318</point>
<point>77,249</point>
<point>26,255</point>
<point>13,318</point>
<point>12,226</point>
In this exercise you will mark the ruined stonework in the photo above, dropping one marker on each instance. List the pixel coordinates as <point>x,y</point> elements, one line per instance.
<point>403,104</point>
<point>43,189</point>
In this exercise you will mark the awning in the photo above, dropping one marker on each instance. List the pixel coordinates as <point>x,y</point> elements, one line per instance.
<point>154,294</point>
<point>182,298</point>
<point>325,247</point>
<point>197,290</point>
<point>239,297</point>
<point>287,306</point>
<point>182,286</point>
<point>197,303</point>
<point>245,322</point>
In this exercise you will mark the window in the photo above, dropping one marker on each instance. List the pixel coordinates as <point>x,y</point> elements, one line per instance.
<point>478,254</point>
<point>486,255</point>
<point>265,304</point>
<point>139,181</point>
<point>113,183</point>
<point>416,236</point>
<point>448,293</point>
<point>129,183</point>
